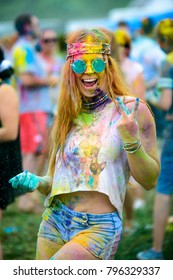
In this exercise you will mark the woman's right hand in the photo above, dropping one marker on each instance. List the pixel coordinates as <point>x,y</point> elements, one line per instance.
<point>25,181</point>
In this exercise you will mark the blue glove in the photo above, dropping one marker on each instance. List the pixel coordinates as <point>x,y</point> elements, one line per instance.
<point>25,181</point>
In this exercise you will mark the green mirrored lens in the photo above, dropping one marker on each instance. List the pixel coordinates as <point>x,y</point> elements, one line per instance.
<point>98,65</point>
<point>79,66</point>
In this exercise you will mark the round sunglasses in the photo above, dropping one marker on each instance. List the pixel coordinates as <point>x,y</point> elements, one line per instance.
<point>79,66</point>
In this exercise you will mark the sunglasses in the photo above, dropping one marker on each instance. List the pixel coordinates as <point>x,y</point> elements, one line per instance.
<point>50,40</point>
<point>79,66</point>
<point>126,46</point>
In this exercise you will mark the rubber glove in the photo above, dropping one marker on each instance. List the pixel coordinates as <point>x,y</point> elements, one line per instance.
<point>25,181</point>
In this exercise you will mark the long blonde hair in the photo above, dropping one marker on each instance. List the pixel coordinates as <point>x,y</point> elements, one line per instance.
<point>69,104</point>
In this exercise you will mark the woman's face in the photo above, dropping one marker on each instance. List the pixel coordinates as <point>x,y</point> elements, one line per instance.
<point>48,41</point>
<point>89,80</point>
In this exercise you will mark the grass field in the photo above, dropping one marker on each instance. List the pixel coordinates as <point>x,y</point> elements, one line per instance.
<point>19,234</point>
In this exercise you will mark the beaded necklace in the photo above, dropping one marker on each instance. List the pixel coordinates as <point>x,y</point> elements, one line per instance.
<point>98,100</point>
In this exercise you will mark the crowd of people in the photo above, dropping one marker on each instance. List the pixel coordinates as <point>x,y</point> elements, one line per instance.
<point>90,131</point>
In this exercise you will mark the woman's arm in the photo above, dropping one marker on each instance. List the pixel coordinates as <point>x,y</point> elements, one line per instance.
<point>144,163</point>
<point>45,184</point>
<point>165,101</point>
<point>164,87</point>
<point>29,182</point>
<point>31,80</point>
<point>9,113</point>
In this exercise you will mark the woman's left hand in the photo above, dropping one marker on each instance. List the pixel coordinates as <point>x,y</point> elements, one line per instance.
<point>127,124</point>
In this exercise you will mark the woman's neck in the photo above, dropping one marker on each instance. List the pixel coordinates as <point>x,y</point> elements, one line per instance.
<point>96,101</point>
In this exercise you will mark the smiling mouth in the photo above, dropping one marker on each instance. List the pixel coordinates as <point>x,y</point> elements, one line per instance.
<point>89,82</point>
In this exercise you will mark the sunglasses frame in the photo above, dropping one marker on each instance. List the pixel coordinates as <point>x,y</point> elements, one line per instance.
<point>85,65</point>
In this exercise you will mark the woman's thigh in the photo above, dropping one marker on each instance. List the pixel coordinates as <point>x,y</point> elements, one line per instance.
<point>73,251</point>
<point>46,249</point>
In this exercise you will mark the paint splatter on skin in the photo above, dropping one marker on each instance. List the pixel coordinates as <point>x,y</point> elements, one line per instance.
<point>147,128</point>
<point>73,201</point>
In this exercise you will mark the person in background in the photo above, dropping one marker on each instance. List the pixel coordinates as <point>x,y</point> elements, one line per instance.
<point>132,70</point>
<point>123,25</point>
<point>147,52</point>
<point>134,77</point>
<point>100,135</point>
<point>164,191</point>
<point>35,103</point>
<point>52,61</point>
<point>10,155</point>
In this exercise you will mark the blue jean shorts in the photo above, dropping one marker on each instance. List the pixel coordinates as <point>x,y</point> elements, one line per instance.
<point>100,234</point>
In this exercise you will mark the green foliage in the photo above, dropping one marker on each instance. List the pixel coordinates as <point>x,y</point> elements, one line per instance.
<point>61,10</point>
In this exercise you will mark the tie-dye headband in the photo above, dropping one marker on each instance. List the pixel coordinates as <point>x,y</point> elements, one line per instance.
<point>81,48</point>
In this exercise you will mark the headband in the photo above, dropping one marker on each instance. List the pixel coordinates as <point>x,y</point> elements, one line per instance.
<point>81,48</point>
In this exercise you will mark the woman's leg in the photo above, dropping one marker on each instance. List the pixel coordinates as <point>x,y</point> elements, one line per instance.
<point>46,249</point>
<point>161,214</point>
<point>73,251</point>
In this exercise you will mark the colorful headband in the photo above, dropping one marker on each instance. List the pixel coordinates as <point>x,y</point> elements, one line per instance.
<point>81,48</point>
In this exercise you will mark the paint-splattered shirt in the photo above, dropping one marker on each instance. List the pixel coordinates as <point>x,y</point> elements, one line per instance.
<point>94,159</point>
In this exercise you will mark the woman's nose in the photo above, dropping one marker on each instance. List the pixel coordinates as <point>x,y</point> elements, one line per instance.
<point>89,69</point>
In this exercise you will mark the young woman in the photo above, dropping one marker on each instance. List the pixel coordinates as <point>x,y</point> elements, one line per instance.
<point>100,136</point>
<point>132,70</point>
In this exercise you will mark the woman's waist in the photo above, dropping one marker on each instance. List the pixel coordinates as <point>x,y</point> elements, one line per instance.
<point>92,202</point>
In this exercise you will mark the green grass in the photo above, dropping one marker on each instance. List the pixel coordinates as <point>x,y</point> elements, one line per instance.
<point>20,245</point>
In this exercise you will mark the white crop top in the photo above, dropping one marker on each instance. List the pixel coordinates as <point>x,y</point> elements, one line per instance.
<point>94,159</point>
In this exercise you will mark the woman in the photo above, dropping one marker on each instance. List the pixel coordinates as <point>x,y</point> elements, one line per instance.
<point>52,61</point>
<point>97,140</point>
<point>132,70</point>
<point>10,157</point>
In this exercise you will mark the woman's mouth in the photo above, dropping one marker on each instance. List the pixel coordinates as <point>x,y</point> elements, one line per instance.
<point>89,82</point>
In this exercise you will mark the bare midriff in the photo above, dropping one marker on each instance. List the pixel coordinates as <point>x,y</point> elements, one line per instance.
<point>87,201</point>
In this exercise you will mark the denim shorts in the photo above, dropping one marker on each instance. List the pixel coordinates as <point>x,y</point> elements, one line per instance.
<point>165,181</point>
<point>100,234</point>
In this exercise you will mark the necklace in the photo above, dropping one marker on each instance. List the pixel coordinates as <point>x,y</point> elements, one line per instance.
<point>89,104</point>
<point>98,100</point>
